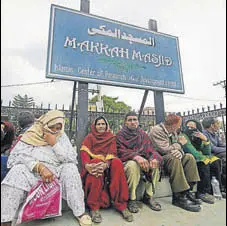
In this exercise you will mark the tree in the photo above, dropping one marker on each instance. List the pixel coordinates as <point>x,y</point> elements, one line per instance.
<point>111,104</point>
<point>23,102</point>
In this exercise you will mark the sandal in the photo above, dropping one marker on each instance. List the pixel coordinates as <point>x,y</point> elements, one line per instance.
<point>127,215</point>
<point>139,204</point>
<point>132,206</point>
<point>84,220</point>
<point>96,216</point>
<point>154,205</point>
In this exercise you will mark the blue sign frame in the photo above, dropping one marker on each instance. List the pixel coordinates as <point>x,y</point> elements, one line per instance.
<point>84,47</point>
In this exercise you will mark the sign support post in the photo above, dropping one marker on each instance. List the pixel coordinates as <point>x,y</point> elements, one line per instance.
<point>72,110</point>
<point>82,111</point>
<point>158,95</point>
<point>159,107</point>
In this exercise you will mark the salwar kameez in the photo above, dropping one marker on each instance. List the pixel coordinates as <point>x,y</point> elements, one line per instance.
<point>61,159</point>
<point>111,187</point>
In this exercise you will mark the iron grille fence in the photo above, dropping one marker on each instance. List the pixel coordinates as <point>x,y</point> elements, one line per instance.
<point>115,119</point>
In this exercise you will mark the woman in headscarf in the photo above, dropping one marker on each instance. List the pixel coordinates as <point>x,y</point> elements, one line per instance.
<point>208,165</point>
<point>44,151</point>
<point>102,172</point>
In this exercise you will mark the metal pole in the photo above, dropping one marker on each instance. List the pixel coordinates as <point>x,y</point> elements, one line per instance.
<point>158,95</point>
<point>85,6</point>
<point>223,124</point>
<point>143,103</point>
<point>152,25</point>
<point>72,110</point>
<point>220,83</point>
<point>82,111</point>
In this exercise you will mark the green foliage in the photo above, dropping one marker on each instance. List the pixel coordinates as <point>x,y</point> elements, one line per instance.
<point>23,102</point>
<point>111,104</point>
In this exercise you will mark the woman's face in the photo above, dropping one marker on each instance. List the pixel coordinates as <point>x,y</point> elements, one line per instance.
<point>56,128</point>
<point>100,126</point>
<point>191,125</point>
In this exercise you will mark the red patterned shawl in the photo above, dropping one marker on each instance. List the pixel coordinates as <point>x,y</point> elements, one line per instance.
<point>100,145</point>
<point>131,143</point>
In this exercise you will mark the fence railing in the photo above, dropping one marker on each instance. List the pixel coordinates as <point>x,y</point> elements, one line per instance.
<point>199,114</point>
<point>115,119</point>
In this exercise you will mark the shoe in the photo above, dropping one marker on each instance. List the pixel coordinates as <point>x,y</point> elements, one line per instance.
<point>84,220</point>
<point>223,195</point>
<point>191,196</point>
<point>150,202</point>
<point>183,202</point>
<point>96,216</point>
<point>127,215</point>
<point>132,206</point>
<point>206,198</point>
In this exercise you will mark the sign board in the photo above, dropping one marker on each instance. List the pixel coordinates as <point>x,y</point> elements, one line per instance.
<point>92,49</point>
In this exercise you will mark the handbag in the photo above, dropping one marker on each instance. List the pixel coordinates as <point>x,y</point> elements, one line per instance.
<point>43,201</point>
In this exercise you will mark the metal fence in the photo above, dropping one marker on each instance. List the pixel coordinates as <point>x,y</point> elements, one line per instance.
<point>115,119</point>
<point>200,114</point>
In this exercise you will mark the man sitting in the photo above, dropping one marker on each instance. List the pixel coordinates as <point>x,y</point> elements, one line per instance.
<point>218,148</point>
<point>180,167</point>
<point>140,160</point>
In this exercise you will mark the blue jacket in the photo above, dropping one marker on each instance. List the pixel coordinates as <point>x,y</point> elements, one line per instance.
<point>217,146</point>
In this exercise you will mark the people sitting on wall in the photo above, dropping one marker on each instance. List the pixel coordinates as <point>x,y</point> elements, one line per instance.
<point>140,161</point>
<point>208,165</point>
<point>218,147</point>
<point>181,167</point>
<point>102,172</point>
<point>43,152</point>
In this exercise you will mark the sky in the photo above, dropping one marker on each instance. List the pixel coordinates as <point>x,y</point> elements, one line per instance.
<point>199,25</point>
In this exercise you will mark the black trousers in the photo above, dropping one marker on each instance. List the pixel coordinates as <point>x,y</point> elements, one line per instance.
<point>206,172</point>
<point>222,156</point>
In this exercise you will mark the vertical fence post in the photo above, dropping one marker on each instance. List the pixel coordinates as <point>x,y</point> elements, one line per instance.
<point>223,121</point>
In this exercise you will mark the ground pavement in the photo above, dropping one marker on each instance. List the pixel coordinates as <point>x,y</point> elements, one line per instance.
<point>210,215</point>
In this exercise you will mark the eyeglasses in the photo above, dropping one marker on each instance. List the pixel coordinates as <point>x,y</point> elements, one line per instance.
<point>132,119</point>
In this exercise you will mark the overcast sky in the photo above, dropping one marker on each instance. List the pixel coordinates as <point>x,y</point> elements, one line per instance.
<point>199,25</point>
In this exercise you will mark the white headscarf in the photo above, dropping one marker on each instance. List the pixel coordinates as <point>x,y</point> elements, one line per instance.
<point>35,135</point>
